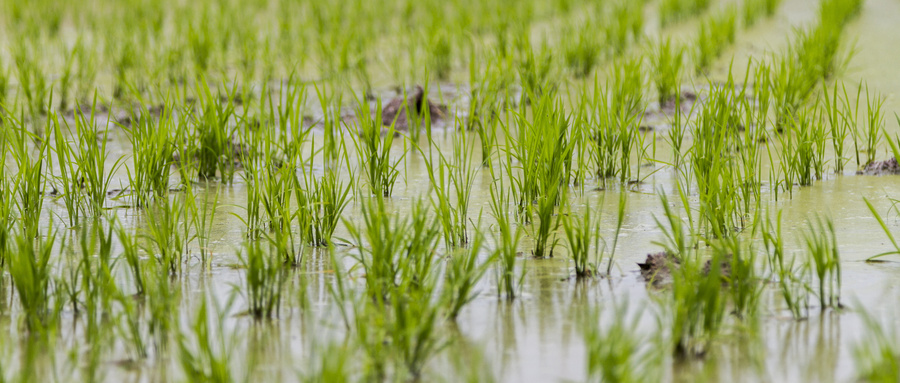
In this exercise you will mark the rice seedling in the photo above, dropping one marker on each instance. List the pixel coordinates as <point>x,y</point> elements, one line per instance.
<point>204,350</point>
<point>130,249</point>
<point>507,242</point>
<point>30,272</point>
<point>713,163</point>
<point>616,351</point>
<point>463,271</point>
<point>454,176</point>
<point>30,182</point>
<point>582,52</point>
<point>793,279</point>
<point>698,305</point>
<point>876,356</point>
<point>625,25</point>
<point>326,198</point>
<point>675,10</point>
<point>874,124</point>
<point>839,125</point>
<point>745,287</point>
<point>69,176</point>
<point>373,148</point>
<point>887,232</point>
<point>264,280</point>
<point>413,323</point>
<point>580,237</point>
<point>616,123</point>
<point>201,219</point>
<point>91,158</point>
<point>213,130</point>
<point>167,234</point>
<point>666,61</point>
<point>821,245</point>
<point>715,34</point>
<point>753,9</point>
<point>153,149</point>
<point>380,241</point>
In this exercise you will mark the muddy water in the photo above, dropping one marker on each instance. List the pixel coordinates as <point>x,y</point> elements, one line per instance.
<point>537,338</point>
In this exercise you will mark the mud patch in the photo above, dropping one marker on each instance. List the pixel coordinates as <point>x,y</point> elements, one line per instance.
<point>881,168</point>
<point>416,103</point>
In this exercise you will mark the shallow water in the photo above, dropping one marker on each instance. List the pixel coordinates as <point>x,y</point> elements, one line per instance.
<point>538,337</point>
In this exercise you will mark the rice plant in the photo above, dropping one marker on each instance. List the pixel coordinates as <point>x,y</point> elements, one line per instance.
<point>214,130</point>
<point>666,61</point>
<point>581,236</point>
<point>153,149</point>
<point>373,148</point>
<point>507,241</point>
<point>876,356</point>
<point>874,124</point>
<point>133,261</point>
<point>91,158</point>
<point>793,279</point>
<point>821,245</point>
<point>451,183</point>
<point>463,271</point>
<point>204,352</point>
<point>839,124</point>
<point>30,182</point>
<point>616,349</point>
<point>168,234</point>
<point>715,34</point>
<point>30,272</point>
<point>675,10</point>
<point>321,201</point>
<point>698,305</point>
<point>264,280</point>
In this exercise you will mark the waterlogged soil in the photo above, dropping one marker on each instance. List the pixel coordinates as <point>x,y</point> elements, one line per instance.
<point>537,337</point>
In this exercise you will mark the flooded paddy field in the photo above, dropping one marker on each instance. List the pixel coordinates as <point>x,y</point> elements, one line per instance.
<point>567,190</point>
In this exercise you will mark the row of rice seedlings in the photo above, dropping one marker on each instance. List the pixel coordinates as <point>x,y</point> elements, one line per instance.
<point>677,10</point>
<point>716,33</point>
<point>451,183</point>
